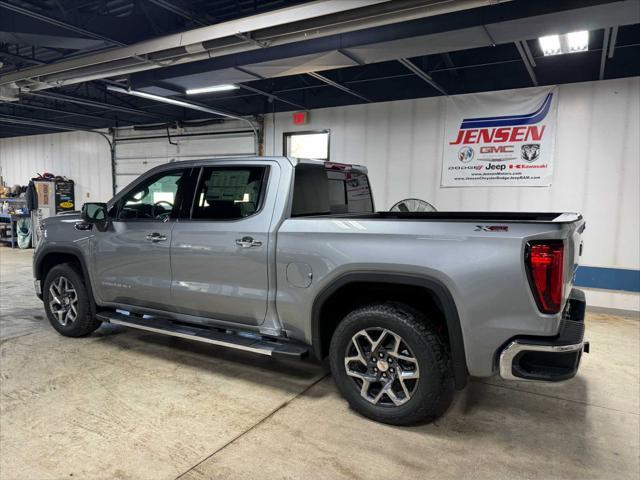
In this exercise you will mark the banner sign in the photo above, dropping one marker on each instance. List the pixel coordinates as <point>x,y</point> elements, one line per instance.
<point>500,139</point>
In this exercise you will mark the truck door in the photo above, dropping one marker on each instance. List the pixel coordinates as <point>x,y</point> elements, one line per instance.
<point>131,258</point>
<point>219,253</point>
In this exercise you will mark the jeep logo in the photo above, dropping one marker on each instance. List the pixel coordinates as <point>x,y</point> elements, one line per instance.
<point>493,166</point>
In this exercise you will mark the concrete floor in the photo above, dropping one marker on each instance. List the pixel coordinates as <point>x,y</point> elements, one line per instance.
<point>130,405</point>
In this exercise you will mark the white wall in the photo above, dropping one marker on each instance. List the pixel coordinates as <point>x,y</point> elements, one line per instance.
<point>597,164</point>
<point>83,157</point>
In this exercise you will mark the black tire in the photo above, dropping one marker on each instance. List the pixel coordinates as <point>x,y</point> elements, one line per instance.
<point>84,322</point>
<point>433,391</point>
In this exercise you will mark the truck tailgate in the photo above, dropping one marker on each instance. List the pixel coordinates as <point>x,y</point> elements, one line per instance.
<point>574,251</point>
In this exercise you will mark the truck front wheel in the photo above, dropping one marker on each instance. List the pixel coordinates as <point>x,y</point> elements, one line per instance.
<point>66,302</point>
<point>391,365</point>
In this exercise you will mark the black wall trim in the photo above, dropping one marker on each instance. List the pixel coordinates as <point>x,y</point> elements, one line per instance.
<point>441,292</point>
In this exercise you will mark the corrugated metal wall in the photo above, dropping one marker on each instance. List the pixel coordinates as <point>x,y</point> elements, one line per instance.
<point>81,156</point>
<point>597,167</point>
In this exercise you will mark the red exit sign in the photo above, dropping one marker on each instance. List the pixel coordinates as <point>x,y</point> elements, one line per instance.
<point>301,118</point>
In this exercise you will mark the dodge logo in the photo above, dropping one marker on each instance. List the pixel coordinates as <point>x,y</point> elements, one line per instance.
<point>530,152</point>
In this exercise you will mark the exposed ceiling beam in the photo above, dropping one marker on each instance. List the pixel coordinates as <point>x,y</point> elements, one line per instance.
<point>52,41</point>
<point>449,63</point>
<point>612,42</point>
<point>316,19</point>
<point>24,129</point>
<point>193,40</point>
<point>185,104</point>
<point>527,64</point>
<point>527,51</point>
<point>20,58</point>
<point>337,85</point>
<point>53,110</point>
<point>93,103</point>
<point>350,56</point>
<point>605,52</point>
<point>181,12</point>
<point>59,23</point>
<point>422,75</point>
<point>271,96</point>
<point>13,119</point>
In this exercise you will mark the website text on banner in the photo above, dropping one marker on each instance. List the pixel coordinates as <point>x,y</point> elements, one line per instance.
<point>500,139</point>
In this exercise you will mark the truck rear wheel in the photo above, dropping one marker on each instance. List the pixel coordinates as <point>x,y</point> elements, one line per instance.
<point>391,365</point>
<point>66,302</point>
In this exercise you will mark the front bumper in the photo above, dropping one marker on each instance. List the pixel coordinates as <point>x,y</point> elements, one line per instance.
<point>550,359</point>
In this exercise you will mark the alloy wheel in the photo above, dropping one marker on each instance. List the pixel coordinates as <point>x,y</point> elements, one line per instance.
<point>63,301</point>
<point>382,366</point>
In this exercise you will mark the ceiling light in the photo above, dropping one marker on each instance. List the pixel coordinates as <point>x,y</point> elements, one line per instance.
<point>568,43</point>
<point>578,41</point>
<point>214,88</point>
<point>550,45</point>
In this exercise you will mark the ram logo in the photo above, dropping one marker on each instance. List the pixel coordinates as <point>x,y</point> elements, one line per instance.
<point>530,152</point>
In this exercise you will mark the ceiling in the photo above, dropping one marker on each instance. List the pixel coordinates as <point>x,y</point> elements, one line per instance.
<point>492,47</point>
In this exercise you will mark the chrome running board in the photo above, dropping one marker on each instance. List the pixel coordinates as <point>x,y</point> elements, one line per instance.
<point>248,342</point>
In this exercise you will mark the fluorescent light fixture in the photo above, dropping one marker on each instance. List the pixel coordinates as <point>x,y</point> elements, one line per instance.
<point>550,45</point>
<point>578,41</point>
<point>568,43</point>
<point>214,88</point>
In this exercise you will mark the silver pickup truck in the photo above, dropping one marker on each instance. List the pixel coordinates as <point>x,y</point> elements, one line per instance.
<point>285,257</point>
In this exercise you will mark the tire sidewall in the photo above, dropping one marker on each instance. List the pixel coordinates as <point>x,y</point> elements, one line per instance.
<point>74,328</point>
<point>430,385</point>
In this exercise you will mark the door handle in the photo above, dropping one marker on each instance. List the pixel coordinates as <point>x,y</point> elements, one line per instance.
<point>156,237</point>
<point>248,242</point>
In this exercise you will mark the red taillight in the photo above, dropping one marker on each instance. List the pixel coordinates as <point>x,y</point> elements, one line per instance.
<point>546,270</point>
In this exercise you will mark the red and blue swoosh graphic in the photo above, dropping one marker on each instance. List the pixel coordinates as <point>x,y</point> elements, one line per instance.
<point>510,120</point>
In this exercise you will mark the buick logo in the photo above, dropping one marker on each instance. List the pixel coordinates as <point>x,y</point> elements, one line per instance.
<point>466,154</point>
<point>530,152</point>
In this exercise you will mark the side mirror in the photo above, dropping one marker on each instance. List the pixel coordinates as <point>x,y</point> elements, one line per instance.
<point>94,212</point>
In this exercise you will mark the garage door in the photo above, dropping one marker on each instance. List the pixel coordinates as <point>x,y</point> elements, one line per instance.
<point>138,151</point>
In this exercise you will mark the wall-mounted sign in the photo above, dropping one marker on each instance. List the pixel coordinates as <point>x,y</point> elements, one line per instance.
<point>500,139</point>
<point>301,118</point>
<point>64,195</point>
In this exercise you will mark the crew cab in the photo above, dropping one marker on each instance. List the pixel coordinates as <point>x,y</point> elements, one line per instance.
<point>288,257</point>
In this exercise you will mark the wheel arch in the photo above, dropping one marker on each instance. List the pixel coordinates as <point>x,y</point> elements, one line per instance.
<point>437,291</point>
<point>48,257</point>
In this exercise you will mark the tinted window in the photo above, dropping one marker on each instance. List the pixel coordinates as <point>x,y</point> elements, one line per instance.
<point>321,191</point>
<point>152,200</point>
<point>229,193</point>
<point>355,196</point>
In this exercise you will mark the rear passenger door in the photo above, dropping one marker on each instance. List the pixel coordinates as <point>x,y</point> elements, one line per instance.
<point>219,250</point>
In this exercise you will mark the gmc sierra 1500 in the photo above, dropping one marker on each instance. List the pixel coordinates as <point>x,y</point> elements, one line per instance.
<point>281,256</point>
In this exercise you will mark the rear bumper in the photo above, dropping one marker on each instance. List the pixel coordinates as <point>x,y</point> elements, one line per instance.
<point>550,359</point>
